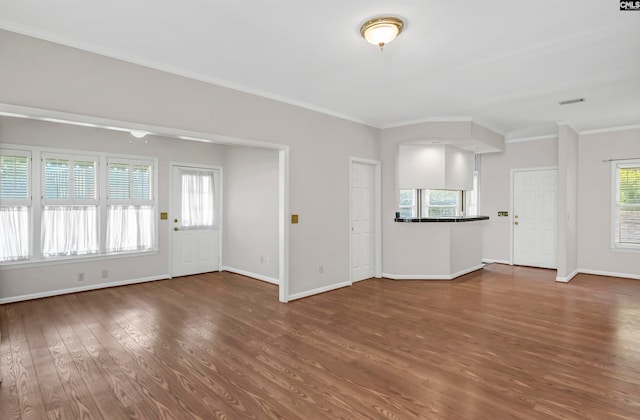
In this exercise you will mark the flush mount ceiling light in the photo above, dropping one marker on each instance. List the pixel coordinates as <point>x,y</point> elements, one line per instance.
<point>381,30</point>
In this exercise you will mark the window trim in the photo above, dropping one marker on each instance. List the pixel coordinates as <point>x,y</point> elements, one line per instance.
<point>615,197</point>
<point>36,174</point>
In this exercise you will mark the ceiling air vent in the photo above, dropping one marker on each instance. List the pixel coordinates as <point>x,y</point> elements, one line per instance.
<point>571,101</point>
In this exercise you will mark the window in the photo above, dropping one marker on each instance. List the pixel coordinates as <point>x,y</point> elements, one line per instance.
<point>130,206</point>
<point>15,205</point>
<point>80,205</point>
<point>627,204</point>
<point>408,203</point>
<point>198,199</point>
<point>69,205</point>
<point>430,203</point>
<point>441,203</point>
<point>418,203</point>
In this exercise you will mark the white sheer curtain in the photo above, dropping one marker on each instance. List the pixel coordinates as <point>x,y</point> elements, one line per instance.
<point>198,199</point>
<point>130,228</point>
<point>69,230</point>
<point>14,225</point>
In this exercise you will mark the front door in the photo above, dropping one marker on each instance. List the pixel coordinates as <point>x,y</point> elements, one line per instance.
<point>535,218</point>
<point>195,219</point>
<point>362,221</point>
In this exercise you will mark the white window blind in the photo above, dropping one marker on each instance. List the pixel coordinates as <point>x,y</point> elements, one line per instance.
<point>15,205</point>
<point>130,206</point>
<point>70,205</point>
<point>130,182</point>
<point>70,180</point>
<point>627,205</point>
<point>14,177</point>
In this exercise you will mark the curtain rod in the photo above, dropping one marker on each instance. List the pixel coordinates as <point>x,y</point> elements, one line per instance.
<point>614,160</point>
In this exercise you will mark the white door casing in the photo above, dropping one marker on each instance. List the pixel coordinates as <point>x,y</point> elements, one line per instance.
<point>363,235</point>
<point>193,251</point>
<point>534,217</point>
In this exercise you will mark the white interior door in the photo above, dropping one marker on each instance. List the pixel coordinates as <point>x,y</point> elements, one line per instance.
<point>535,218</point>
<point>362,221</point>
<point>195,218</point>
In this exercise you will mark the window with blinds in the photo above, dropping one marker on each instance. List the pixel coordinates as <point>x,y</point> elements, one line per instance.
<point>70,180</point>
<point>14,176</point>
<point>627,205</point>
<point>130,182</point>
<point>69,222</point>
<point>130,206</point>
<point>15,205</point>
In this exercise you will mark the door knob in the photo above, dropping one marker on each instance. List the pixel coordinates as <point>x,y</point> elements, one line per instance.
<point>175,220</point>
<point>177,229</point>
<point>516,216</point>
<point>514,224</point>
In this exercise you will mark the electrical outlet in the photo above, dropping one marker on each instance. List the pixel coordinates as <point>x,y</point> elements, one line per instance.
<point>321,269</point>
<point>80,276</point>
<point>261,260</point>
<point>105,274</point>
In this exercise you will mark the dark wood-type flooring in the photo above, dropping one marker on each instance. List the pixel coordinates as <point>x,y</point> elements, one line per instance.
<point>504,342</point>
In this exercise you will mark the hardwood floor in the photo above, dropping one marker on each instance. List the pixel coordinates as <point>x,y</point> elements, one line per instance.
<point>503,342</point>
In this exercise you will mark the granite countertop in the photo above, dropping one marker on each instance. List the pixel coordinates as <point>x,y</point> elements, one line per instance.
<point>440,219</point>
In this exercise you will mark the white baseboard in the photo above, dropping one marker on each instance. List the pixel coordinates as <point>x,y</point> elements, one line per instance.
<point>80,289</point>
<point>319,290</point>
<point>415,276</point>
<point>568,278</point>
<point>432,276</point>
<point>490,261</point>
<point>250,274</point>
<point>609,274</point>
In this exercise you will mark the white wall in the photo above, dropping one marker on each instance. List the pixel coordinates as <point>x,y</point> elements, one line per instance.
<point>16,282</point>
<point>595,195</point>
<point>495,189</point>
<point>250,242</point>
<point>567,202</point>
<point>44,75</point>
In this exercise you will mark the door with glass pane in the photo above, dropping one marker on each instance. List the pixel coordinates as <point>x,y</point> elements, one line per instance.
<point>195,220</point>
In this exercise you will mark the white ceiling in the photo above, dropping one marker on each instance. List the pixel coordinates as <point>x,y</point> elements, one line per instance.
<point>506,63</point>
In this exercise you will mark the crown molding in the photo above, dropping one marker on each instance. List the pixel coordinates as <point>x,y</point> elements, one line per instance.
<point>426,120</point>
<point>611,129</point>
<point>88,47</point>
<point>533,138</point>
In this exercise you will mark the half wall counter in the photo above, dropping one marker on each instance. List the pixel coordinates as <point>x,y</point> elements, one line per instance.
<point>438,248</point>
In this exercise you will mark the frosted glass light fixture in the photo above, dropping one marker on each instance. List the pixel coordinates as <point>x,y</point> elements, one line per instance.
<point>381,30</point>
<point>138,134</point>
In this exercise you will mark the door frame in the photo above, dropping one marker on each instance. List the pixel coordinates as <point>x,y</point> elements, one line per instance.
<point>511,188</point>
<point>172,165</point>
<point>377,206</point>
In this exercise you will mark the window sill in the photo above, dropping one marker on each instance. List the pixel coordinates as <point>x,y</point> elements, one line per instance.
<point>74,259</point>
<point>630,249</point>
